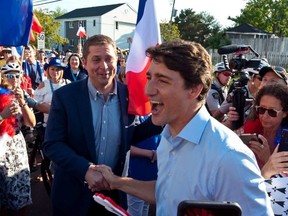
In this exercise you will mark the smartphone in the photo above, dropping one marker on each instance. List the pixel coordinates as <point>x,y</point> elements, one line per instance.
<point>249,137</point>
<point>283,146</point>
<point>208,208</point>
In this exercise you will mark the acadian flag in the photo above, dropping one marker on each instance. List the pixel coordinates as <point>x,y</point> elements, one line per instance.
<point>81,32</point>
<point>147,34</point>
<point>16,16</point>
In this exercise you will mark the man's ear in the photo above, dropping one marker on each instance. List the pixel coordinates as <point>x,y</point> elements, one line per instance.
<point>195,91</point>
<point>84,62</point>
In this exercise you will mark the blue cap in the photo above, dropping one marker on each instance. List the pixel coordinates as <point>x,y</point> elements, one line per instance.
<point>54,62</point>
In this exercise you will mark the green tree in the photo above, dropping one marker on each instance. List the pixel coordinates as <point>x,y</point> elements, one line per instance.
<point>196,27</point>
<point>169,31</point>
<point>268,15</point>
<point>217,39</point>
<point>58,12</point>
<point>50,27</point>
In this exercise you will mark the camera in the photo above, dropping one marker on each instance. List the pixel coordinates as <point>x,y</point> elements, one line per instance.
<point>237,64</point>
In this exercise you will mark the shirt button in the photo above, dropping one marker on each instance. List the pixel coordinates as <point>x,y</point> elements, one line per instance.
<point>101,153</point>
<point>103,138</point>
<point>104,122</point>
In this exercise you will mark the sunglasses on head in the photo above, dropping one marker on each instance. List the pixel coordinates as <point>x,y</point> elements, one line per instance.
<point>279,69</point>
<point>227,73</point>
<point>271,112</point>
<point>12,76</point>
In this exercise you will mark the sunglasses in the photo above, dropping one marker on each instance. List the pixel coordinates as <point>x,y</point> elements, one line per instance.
<point>271,112</point>
<point>12,76</point>
<point>226,73</point>
<point>279,69</point>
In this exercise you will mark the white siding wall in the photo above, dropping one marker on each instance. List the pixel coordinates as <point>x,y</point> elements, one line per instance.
<point>106,24</point>
<point>90,28</point>
<point>126,18</point>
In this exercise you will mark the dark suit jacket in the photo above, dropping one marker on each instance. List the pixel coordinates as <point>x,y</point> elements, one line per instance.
<point>67,74</point>
<point>69,142</point>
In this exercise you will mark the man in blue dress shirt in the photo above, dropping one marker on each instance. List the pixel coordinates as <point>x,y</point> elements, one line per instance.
<point>198,157</point>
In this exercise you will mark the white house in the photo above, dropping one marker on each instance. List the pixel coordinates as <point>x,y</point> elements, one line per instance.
<point>117,21</point>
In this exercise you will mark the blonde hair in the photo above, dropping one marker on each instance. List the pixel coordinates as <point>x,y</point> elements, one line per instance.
<point>49,76</point>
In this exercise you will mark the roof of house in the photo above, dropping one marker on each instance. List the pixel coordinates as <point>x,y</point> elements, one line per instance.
<point>88,12</point>
<point>246,28</point>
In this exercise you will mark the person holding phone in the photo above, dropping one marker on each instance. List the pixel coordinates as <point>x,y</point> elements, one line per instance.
<point>268,119</point>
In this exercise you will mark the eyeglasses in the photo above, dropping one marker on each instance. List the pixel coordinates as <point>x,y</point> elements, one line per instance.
<point>278,69</point>
<point>271,112</point>
<point>12,76</point>
<point>281,71</point>
<point>227,73</point>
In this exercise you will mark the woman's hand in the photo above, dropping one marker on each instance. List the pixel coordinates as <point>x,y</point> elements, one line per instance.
<point>19,95</point>
<point>276,164</point>
<point>261,148</point>
<point>10,110</point>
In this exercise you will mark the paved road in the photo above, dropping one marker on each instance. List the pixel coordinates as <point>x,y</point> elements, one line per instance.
<point>41,201</point>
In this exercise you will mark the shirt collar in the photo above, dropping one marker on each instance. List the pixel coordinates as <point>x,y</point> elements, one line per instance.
<point>192,132</point>
<point>94,92</point>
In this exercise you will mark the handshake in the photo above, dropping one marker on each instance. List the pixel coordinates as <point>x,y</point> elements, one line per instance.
<point>101,177</point>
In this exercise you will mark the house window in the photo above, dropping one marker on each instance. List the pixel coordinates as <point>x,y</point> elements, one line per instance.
<point>117,25</point>
<point>94,23</point>
<point>70,25</point>
<point>82,23</point>
<point>71,42</point>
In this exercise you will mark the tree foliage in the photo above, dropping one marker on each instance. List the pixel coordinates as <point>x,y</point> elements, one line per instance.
<point>198,27</point>
<point>50,26</point>
<point>169,31</point>
<point>268,15</point>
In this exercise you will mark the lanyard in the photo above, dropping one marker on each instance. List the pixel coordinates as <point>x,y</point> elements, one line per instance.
<point>73,75</point>
<point>51,86</point>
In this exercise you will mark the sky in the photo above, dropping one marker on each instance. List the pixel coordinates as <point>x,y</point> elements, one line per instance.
<point>220,9</point>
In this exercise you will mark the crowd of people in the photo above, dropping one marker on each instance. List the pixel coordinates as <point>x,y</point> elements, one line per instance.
<point>188,148</point>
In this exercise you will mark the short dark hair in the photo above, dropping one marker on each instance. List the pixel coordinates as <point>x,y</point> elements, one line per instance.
<point>190,59</point>
<point>97,40</point>
<point>278,91</point>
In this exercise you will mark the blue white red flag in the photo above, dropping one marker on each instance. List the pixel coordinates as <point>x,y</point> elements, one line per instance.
<point>81,32</point>
<point>16,19</point>
<point>146,34</point>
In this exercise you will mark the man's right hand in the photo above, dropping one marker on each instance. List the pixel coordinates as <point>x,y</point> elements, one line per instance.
<point>108,175</point>
<point>95,179</point>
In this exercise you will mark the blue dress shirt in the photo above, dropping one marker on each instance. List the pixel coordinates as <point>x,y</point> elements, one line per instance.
<point>207,161</point>
<point>107,125</point>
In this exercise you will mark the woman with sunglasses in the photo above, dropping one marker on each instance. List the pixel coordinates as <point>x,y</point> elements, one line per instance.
<point>74,70</point>
<point>268,119</point>
<point>15,188</point>
<point>219,88</point>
